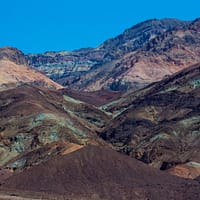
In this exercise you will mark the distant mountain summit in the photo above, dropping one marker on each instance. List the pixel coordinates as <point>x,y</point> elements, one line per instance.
<point>96,68</point>
<point>163,54</point>
<point>138,35</point>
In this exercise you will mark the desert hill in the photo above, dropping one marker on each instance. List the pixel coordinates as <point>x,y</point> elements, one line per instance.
<point>160,123</point>
<point>101,173</point>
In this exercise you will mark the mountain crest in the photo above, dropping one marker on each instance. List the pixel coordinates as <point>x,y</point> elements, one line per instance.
<point>13,54</point>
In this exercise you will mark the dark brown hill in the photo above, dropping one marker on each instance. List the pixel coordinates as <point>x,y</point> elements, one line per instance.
<point>160,124</point>
<point>101,173</point>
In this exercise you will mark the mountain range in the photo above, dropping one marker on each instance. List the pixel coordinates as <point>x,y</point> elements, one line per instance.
<point>120,121</point>
<point>143,54</point>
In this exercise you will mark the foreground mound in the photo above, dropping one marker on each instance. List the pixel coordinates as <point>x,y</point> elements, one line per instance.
<point>101,173</point>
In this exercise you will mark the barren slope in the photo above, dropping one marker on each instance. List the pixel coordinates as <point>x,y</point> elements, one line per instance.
<point>33,117</point>
<point>160,124</point>
<point>96,98</point>
<point>101,173</point>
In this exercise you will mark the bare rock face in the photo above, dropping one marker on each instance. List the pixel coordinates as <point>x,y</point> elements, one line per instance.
<point>159,124</point>
<point>110,65</point>
<point>66,67</point>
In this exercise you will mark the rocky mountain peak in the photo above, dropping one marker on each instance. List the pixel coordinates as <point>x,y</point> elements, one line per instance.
<point>136,36</point>
<point>13,54</point>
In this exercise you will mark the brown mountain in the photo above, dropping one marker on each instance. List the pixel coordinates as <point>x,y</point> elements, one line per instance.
<point>160,124</point>
<point>99,173</point>
<point>162,55</point>
<point>14,71</point>
<point>13,54</point>
<point>106,66</point>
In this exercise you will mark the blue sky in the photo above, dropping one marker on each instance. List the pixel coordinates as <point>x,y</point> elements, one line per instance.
<point>36,26</point>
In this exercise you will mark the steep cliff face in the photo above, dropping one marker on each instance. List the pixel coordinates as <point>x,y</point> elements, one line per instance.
<point>94,69</point>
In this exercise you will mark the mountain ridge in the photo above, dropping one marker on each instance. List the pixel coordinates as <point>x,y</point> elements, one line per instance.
<point>80,65</point>
<point>163,55</point>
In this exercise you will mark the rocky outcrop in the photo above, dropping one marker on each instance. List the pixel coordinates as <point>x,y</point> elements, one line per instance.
<point>137,36</point>
<point>13,54</point>
<point>190,170</point>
